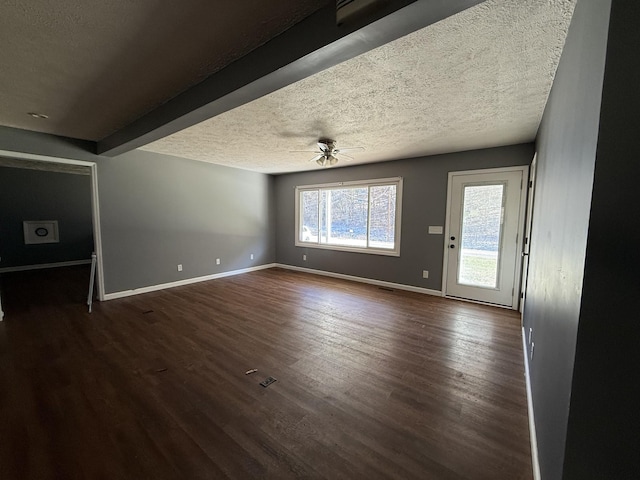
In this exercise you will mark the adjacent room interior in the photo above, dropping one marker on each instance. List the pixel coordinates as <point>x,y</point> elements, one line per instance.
<point>399,211</point>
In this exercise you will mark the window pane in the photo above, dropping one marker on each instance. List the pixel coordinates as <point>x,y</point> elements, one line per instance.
<point>309,216</point>
<point>382,228</point>
<point>322,227</point>
<point>357,216</point>
<point>481,232</point>
<point>344,216</point>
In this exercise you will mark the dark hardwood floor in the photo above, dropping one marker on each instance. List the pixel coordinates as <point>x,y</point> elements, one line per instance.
<point>371,383</point>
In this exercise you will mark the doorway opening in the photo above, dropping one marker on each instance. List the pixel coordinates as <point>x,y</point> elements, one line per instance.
<point>62,165</point>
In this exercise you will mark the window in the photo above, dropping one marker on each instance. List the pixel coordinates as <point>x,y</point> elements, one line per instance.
<point>354,216</point>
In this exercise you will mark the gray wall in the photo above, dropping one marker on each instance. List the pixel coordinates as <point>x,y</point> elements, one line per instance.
<point>603,438</point>
<point>41,195</point>
<point>566,147</point>
<point>159,211</point>
<point>423,204</point>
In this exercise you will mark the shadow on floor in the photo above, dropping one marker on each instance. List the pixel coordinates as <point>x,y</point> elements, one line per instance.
<point>51,286</point>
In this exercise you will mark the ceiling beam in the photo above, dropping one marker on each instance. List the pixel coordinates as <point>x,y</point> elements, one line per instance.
<point>27,164</point>
<point>309,47</point>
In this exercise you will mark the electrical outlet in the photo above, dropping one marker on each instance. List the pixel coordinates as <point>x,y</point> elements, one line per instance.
<point>179,267</point>
<point>252,256</point>
<point>304,258</point>
<point>217,261</point>
<point>425,273</point>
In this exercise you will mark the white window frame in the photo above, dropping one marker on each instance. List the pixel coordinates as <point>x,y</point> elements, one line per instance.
<point>395,252</point>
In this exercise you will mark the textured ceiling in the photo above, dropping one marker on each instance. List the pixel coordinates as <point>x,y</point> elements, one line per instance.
<point>478,79</point>
<point>94,66</point>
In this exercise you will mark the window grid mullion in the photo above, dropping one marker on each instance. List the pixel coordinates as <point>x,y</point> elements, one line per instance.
<point>368,214</point>
<point>318,218</point>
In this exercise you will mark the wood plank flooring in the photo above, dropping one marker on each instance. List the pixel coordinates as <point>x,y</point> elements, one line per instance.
<point>371,383</point>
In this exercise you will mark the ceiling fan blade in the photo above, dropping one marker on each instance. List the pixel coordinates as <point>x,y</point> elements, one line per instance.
<point>348,158</point>
<point>303,151</point>
<point>317,157</point>
<point>323,147</point>
<point>347,149</point>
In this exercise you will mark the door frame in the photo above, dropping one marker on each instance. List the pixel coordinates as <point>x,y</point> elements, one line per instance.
<point>95,204</point>
<point>521,223</point>
<point>526,246</point>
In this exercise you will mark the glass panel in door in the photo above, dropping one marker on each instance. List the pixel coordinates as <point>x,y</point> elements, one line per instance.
<point>481,234</point>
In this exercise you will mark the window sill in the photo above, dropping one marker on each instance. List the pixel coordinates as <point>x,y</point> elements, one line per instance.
<point>341,248</point>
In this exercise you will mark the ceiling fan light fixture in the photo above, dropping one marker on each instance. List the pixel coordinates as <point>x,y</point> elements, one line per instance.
<point>327,154</point>
<point>327,160</point>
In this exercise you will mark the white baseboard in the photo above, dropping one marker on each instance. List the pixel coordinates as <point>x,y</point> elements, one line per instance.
<point>188,281</point>
<point>532,424</point>
<point>180,283</point>
<point>380,283</point>
<point>40,266</point>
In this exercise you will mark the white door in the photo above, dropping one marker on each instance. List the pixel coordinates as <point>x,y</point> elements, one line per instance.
<point>484,218</point>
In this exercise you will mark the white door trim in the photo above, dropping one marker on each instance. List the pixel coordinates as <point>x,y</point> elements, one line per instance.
<point>531,185</point>
<point>523,201</point>
<point>95,204</point>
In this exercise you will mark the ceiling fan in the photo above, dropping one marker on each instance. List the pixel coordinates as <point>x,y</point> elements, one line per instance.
<point>328,154</point>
